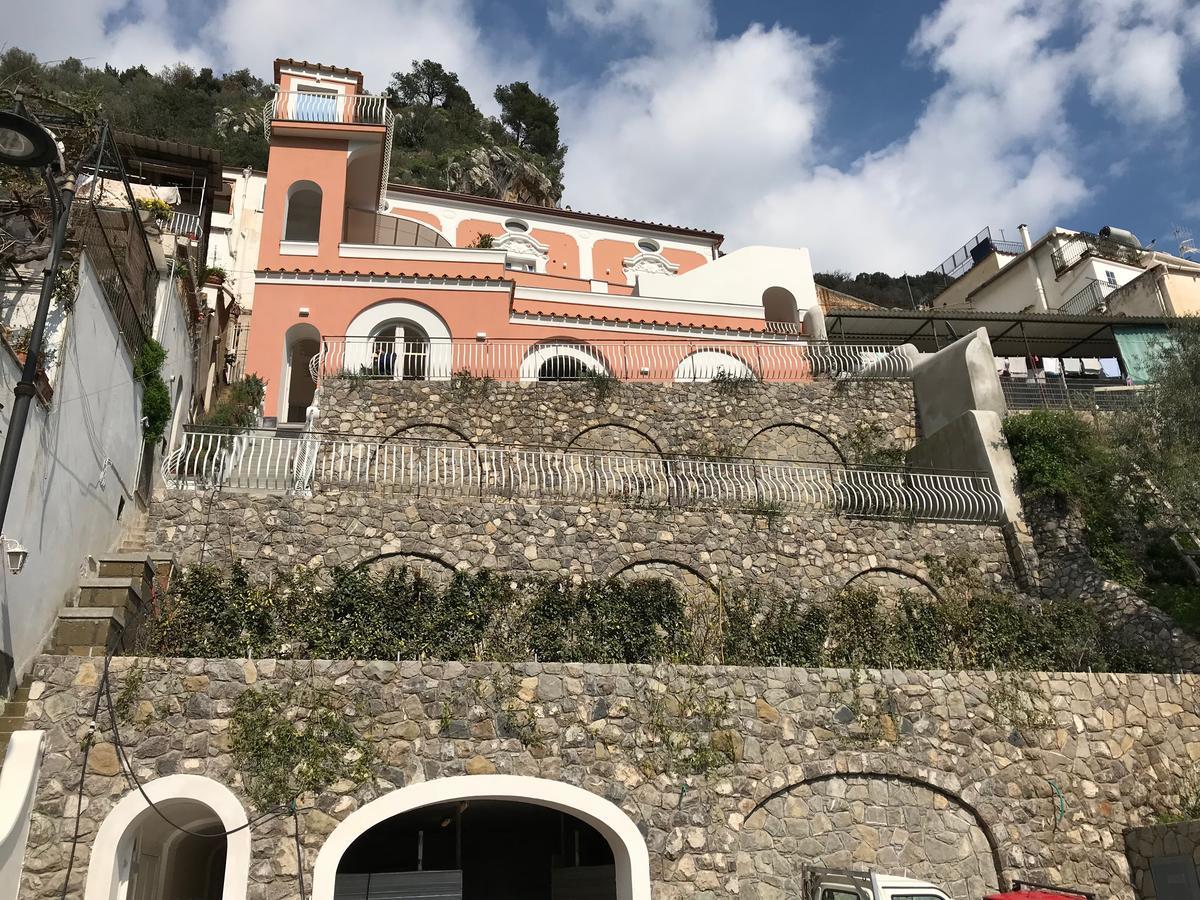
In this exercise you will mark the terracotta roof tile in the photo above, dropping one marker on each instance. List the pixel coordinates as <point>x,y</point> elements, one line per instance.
<point>716,237</point>
<point>305,64</point>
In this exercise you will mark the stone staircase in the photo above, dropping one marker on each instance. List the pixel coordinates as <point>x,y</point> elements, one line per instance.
<point>112,602</point>
<point>111,605</point>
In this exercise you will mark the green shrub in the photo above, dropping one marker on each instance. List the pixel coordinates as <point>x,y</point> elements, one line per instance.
<point>1058,455</point>
<point>355,614</point>
<point>238,406</point>
<point>156,396</point>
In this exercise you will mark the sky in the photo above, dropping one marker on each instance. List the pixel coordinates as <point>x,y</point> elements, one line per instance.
<point>881,135</point>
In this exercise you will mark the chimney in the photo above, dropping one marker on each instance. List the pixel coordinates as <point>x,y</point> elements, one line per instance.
<point>1024,229</point>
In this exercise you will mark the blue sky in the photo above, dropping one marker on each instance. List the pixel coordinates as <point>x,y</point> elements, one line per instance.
<point>881,135</point>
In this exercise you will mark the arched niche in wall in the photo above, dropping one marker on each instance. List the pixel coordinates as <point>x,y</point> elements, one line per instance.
<point>793,442</point>
<point>898,823</point>
<point>302,213</point>
<point>615,437</point>
<point>892,583</point>
<point>707,365</point>
<point>779,305</point>
<point>346,859</point>
<point>138,854</point>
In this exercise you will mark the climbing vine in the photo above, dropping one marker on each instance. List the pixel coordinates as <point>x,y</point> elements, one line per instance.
<point>294,742</point>
<point>156,396</point>
<point>689,729</point>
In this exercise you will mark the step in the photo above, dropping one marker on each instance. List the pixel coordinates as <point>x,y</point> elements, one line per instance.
<point>132,564</point>
<point>126,593</point>
<point>88,630</point>
<point>9,724</point>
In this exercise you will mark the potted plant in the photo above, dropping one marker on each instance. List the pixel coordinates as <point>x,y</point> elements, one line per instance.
<point>153,210</point>
<point>214,275</point>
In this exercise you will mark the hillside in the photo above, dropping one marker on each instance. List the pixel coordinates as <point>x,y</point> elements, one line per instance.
<point>887,290</point>
<point>442,139</point>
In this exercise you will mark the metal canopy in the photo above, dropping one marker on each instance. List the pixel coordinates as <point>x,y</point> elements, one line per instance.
<point>1011,334</point>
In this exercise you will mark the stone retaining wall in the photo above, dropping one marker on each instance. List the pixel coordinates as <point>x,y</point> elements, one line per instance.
<point>785,554</point>
<point>944,776</point>
<point>767,421</point>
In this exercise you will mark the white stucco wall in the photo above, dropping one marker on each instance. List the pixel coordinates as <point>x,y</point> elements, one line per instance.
<point>740,277</point>
<point>234,236</point>
<point>179,371</point>
<point>78,461</point>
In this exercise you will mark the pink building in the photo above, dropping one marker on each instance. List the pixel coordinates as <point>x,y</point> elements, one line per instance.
<point>356,276</point>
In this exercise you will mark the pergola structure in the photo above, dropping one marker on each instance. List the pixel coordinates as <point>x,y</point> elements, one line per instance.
<point>1011,334</point>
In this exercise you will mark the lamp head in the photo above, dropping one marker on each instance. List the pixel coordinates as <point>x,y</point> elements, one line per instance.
<point>24,143</point>
<point>15,554</point>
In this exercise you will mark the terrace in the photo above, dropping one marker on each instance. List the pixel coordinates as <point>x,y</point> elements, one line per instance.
<point>663,361</point>
<point>1083,246</point>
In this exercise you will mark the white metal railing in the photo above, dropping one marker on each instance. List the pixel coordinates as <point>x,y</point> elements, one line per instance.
<point>184,224</point>
<point>266,461</point>
<point>656,361</point>
<point>332,109</point>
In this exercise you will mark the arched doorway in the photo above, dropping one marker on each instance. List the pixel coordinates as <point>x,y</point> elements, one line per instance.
<point>302,342</point>
<point>400,350</point>
<point>202,852</point>
<point>526,838</point>
<point>399,339</point>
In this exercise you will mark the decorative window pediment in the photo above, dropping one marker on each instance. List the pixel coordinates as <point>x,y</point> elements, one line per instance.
<point>524,252</point>
<point>648,264</point>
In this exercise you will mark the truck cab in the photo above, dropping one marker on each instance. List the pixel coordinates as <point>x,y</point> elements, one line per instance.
<point>847,884</point>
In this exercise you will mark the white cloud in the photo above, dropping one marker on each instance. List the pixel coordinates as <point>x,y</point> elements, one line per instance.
<point>56,29</point>
<point>691,127</point>
<point>378,37</point>
<point>724,132</point>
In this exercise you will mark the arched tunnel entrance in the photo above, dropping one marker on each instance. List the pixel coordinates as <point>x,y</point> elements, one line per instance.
<point>479,849</point>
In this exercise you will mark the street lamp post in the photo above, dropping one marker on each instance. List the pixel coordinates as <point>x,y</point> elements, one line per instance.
<point>26,144</point>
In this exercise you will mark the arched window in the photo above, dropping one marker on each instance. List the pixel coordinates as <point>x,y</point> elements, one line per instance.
<point>779,305</point>
<point>302,217</point>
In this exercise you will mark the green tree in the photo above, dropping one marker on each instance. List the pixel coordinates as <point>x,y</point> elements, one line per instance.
<point>530,119</point>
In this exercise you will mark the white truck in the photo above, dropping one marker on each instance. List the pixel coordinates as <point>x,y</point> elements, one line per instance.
<point>845,884</point>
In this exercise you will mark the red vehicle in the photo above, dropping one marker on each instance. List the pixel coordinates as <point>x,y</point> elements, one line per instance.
<point>1027,890</point>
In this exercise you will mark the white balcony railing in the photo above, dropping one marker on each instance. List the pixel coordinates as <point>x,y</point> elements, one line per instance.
<point>183,224</point>
<point>265,461</point>
<point>330,109</point>
<point>653,361</point>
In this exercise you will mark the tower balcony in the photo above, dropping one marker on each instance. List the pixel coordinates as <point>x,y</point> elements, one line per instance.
<point>325,111</point>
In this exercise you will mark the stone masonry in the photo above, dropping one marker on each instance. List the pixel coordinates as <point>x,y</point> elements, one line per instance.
<point>754,420</point>
<point>952,777</point>
<point>1066,569</point>
<point>1180,840</point>
<point>788,554</point>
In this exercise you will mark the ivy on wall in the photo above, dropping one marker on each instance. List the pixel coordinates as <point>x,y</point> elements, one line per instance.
<point>296,742</point>
<point>357,614</point>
